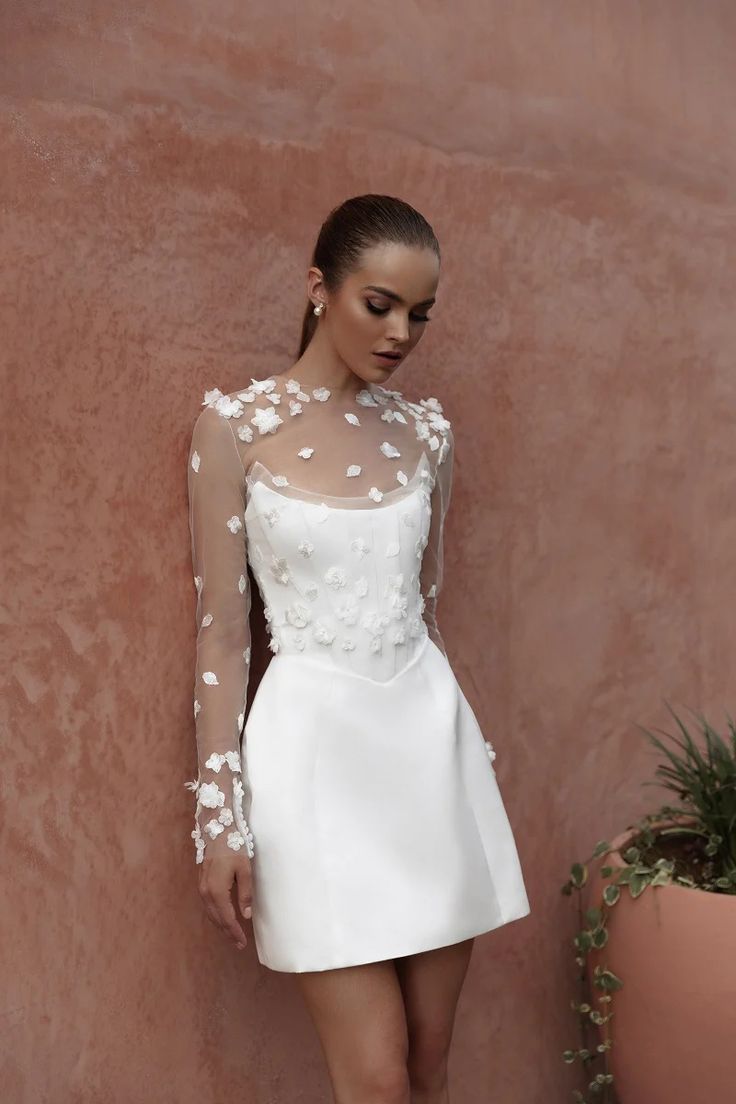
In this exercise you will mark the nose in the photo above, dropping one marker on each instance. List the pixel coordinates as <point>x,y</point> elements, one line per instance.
<point>398,330</point>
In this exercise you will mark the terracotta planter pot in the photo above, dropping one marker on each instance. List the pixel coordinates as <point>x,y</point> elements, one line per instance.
<point>674,1022</point>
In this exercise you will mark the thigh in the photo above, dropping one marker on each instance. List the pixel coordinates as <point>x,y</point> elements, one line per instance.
<point>431,983</point>
<point>359,1015</point>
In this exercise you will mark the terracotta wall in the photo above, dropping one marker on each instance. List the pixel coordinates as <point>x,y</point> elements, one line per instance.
<point>165,169</point>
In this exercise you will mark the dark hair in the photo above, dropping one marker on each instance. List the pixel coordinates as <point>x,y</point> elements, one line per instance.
<point>358,224</point>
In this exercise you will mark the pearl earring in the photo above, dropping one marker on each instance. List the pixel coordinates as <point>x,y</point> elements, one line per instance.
<point>319,308</point>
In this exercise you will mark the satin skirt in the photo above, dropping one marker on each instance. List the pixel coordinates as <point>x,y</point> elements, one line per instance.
<point>378,824</point>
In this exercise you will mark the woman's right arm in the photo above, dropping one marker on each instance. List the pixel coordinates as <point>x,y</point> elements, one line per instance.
<point>223,842</point>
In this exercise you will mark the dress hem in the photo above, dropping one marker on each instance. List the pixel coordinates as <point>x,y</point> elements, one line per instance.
<point>519,915</point>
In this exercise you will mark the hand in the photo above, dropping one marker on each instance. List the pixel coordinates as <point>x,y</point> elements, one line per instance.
<point>217,873</point>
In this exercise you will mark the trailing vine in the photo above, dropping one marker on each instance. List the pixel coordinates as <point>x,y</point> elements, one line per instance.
<point>701,835</point>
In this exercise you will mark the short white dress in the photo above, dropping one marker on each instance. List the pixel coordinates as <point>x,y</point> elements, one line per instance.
<point>360,785</point>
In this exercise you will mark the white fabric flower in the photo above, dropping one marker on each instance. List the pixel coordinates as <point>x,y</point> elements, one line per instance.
<point>195,460</point>
<point>228,408</point>
<point>347,611</point>
<point>365,398</point>
<point>197,708</point>
<point>305,453</point>
<point>360,546</point>
<point>280,481</point>
<point>422,431</point>
<point>298,615</point>
<point>266,421</point>
<point>210,678</point>
<point>432,404</point>
<point>246,655</point>
<point>234,524</point>
<point>306,548</point>
<point>392,548</point>
<point>245,433</point>
<point>322,633</point>
<point>398,636</point>
<point>198,583</point>
<point>434,443</point>
<point>226,816</point>
<point>335,577</point>
<point>348,645</point>
<point>353,419</point>
<point>294,407</point>
<point>239,818</point>
<point>361,586</point>
<point>444,449</point>
<point>207,619</point>
<point>292,386</point>
<point>402,478</point>
<point>262,387</point>
<point>212,396</point>
<point>389,450</point>
<point>303,396</point>
<point>213,828</point>
<point>242,583</point>
<point>272,516</point>
<point>199,841</point>
<point>438,422</point>
<point>235,841</point>
<point>233,761</point>
<point>321,394</point>
<point>211,796</point>
<point>280,570</point>
<point>374,621</point>
<point>399,417</point>
<point>215,762</point>
<point>247,396</point>
<point>398,603</point>
<point>273,644</point>
<point>275,399</point>
<point>375,494</point>
<point>489,749</point>
<point>353,469</point>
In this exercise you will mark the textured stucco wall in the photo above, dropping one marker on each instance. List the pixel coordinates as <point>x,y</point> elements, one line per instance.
<point>166,167</point>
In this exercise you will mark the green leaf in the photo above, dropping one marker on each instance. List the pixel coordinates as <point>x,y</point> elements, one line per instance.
<point>611,894</point>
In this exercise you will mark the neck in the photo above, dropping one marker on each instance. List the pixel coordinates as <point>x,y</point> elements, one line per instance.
<point>320,366</point>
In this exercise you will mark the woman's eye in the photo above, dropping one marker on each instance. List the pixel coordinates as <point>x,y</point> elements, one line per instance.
<point>384,310</point>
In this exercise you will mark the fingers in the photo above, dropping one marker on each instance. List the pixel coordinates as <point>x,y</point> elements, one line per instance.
<point>245,894</point>
<point>216,892</point>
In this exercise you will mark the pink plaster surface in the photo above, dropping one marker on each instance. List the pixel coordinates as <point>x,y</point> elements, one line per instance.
<point>165,170</point>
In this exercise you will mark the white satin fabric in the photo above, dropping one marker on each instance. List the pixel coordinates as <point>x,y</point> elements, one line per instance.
<point>379,823</point>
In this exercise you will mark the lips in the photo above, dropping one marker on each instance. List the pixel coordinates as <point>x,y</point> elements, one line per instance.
<point>391,358</point>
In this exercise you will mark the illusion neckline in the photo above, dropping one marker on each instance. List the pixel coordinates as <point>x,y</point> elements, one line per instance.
<point>403,489</point>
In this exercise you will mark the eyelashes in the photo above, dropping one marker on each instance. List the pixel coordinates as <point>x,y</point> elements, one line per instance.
<point>384,310</point>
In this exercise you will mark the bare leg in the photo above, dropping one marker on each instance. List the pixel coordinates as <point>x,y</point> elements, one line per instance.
<point>431,982</point>
<point>358,1012</point>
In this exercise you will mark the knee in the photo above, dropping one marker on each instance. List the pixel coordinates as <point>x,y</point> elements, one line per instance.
<point>384,1083</point>
<point>427,1060</point>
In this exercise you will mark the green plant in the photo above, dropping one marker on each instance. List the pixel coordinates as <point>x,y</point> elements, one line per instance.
<point>694,847</point>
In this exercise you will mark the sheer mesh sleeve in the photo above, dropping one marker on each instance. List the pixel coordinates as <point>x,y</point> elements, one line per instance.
<point>433,561</point>
<point>216,484</point>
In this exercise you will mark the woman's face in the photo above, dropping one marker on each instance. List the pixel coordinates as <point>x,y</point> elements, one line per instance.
<point>382,307</point>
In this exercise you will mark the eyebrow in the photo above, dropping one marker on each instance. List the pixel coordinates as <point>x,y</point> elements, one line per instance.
<point>395,297</point>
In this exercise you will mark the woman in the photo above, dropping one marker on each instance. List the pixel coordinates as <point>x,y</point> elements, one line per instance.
<point>369,842</point>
